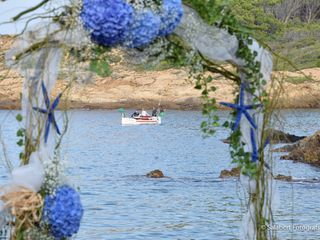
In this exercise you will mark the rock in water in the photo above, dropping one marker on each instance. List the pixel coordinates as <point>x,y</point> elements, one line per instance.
<point>277,136</point>
<point>155,174</point>
<point>306,150</point>
<point>281,177</point>
<point>286,148</point>
<point>234,172</point>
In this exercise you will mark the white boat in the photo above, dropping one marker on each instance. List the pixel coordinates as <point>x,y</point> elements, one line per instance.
<point>141,120</point>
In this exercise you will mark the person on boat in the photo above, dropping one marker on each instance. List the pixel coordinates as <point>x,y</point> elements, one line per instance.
<point>144,113</point>
<point>136,114</point>
<point>154,112</point>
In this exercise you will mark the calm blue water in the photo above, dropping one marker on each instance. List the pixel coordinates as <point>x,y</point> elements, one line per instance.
<point>108,162</point>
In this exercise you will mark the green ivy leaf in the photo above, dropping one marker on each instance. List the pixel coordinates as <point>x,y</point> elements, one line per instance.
<point>226,124</point>
<point>20,143</point>
<point>19,117</point>
<point>20,132</point>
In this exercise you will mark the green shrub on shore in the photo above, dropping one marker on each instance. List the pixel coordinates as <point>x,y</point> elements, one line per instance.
<point>290,27</point>
<point>300,44</point>
<point>297,80</point>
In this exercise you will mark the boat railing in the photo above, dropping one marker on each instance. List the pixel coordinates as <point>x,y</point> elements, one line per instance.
<point>5,233</point>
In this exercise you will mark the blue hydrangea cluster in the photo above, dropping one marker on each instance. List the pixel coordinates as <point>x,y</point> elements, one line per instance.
<point>171,15</point>
<point>108,20</point>
<point>116,22</point>
<point>144,29</point>
<point>63,211</point>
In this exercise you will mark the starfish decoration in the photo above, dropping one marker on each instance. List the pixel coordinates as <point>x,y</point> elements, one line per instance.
<point>49,112</point>
<point>255,154</point>
<point>242,109</point>
<point>267,142</point>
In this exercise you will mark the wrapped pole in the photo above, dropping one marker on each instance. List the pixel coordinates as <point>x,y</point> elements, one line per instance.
<point>218,45</point>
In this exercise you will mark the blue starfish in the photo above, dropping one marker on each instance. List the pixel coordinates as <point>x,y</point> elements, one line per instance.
<point>242,109</point>
<point>267,142</point>
<point>255,154</point>
<point>49,112</point>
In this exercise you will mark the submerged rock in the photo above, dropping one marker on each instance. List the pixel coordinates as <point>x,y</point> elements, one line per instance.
<point>286,148</point>
<point>155,174</point>
<point>234,172</point>
<point>284,178</point>
<point>277,136</point>
<point>306,150</point>
<point>281,177</point>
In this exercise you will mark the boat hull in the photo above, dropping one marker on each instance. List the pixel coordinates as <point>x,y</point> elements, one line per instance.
<point>141,121</point>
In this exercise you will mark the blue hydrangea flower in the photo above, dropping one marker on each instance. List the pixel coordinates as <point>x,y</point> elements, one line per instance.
<point>63,212</point>
<point>107,20</point>
<point>145,29</point>
<point>171,15</point>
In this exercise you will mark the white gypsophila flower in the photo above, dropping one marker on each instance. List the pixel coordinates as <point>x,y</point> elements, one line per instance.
<point>54,175</point>
<point>36,233</point>
<point>137,4</point>
<point>143,4</point>
<point>151,54</point>
<point>190,56</point>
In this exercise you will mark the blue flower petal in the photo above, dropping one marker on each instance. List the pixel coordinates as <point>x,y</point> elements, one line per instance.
<point>107,20</point>
<point>171,15</point>
<point>143,30</point>
<point>63,211</point>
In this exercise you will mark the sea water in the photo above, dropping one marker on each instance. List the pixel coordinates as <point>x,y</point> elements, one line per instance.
<point>109,162</point>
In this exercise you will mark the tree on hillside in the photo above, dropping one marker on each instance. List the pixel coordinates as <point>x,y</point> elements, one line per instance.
<point>254,14</point>
<point>306,10</point>
<point>311,11</point>
<point>287,9</point>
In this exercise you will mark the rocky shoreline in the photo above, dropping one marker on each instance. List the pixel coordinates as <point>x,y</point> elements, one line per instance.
<point>170,88</point>
<point>133,88</point>
<point>301,149</point>
<point>306,150</point>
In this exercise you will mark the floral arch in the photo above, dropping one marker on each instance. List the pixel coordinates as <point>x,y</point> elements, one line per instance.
<point>135,25</point>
